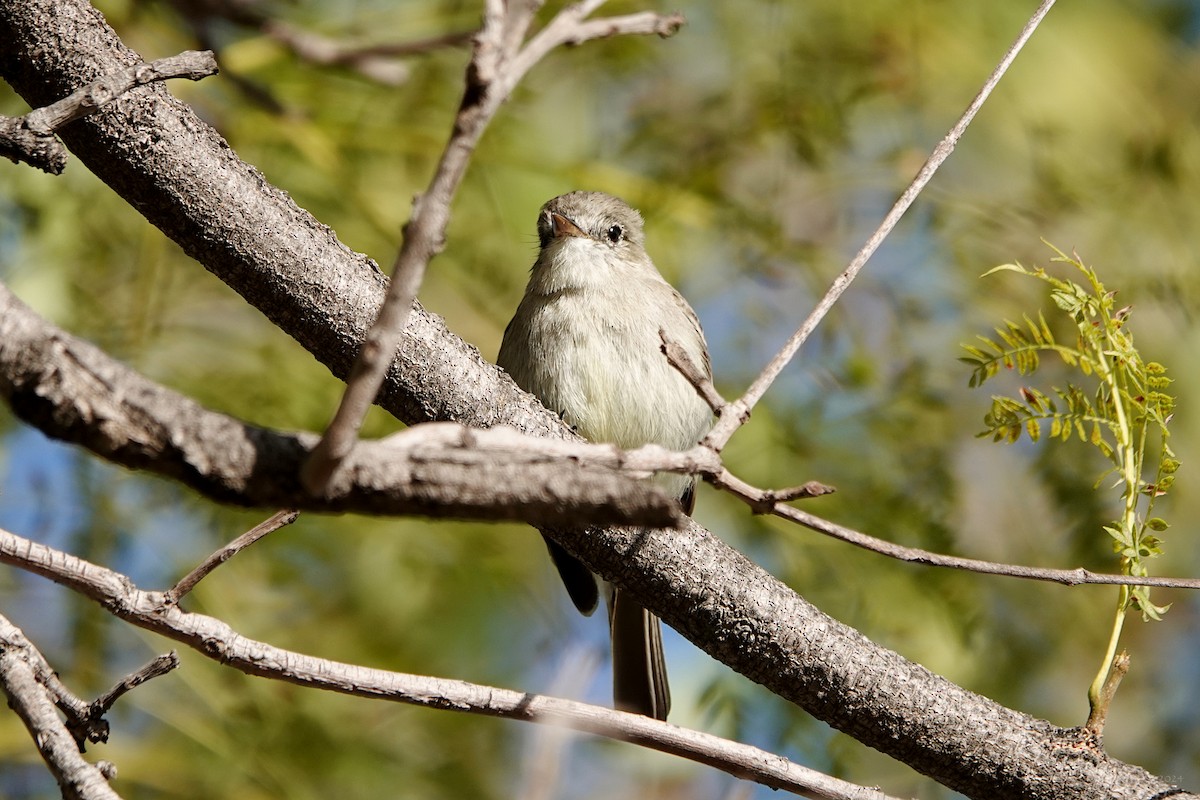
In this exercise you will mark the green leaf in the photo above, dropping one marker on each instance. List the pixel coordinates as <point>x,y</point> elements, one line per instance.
<point>1119,405</point>
<point>1006,268</point>
<point>1116,533</point>
<point>1139,598</point>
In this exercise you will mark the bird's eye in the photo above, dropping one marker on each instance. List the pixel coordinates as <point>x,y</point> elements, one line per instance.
<point>615,233</point>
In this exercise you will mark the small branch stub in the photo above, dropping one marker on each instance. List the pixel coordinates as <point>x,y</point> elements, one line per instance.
<point>278,520</point>
<point>689,369</point>
<point>1099,713</point>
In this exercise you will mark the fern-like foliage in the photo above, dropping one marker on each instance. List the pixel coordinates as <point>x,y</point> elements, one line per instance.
<point>1119,405</point>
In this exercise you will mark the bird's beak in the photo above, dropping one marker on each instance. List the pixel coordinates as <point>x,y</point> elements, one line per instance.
<point>564,227</point>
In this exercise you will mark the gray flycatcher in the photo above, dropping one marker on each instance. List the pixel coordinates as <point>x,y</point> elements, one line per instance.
<point>585,340</point>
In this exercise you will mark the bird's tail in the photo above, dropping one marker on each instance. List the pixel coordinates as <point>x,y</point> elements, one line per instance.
<point>639,669</point>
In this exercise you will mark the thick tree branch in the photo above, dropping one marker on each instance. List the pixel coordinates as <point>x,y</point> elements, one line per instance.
<point>218,641</point>
<point>74,391</point>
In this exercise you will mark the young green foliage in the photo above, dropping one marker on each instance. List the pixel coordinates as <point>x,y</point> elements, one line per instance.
<point>1120,406</point>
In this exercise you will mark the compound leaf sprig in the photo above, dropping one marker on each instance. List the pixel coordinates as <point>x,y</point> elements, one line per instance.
<point>1123,412</point>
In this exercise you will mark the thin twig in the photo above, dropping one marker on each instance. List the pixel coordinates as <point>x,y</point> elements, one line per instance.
<point>31,138</point>
<point>379,62</point>
<point>188,582</point>
<point>804,491</point>
<point>91,726</point>
<point>216,640</point>
<point>766,502</point>
<point>569,27</point>
<point>678,357</point>
<point>728,424</point>
<point>496,66</point>
<point>154,669</point>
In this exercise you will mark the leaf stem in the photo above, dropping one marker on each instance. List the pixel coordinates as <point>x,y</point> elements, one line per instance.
<point>1098,698</point>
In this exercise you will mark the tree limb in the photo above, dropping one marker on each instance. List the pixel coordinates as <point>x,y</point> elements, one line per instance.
<point>74,391</point>
<point>217,640</point>
<point>78,779</point>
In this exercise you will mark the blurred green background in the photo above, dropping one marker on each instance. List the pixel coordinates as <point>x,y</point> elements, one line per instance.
<point>763,143</point>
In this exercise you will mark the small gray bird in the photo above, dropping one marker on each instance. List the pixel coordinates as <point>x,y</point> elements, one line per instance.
<point>585,340</point>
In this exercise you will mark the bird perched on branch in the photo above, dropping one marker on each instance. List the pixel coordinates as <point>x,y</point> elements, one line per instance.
<point>585,340</point>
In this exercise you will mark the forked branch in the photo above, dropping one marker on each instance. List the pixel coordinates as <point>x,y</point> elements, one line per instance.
<point>498,63</point>
<point>217,640</point>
